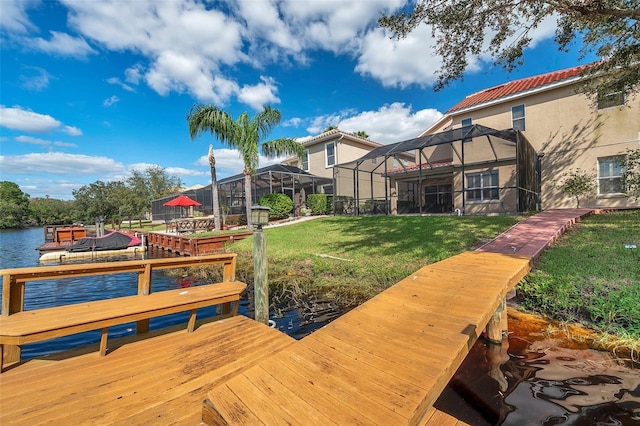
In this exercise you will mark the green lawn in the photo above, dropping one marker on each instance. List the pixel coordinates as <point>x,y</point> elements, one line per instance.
<point>350,259</point>
<point>590,277</point>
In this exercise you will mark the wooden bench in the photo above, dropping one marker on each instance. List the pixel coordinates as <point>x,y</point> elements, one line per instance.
<point>18,327</point>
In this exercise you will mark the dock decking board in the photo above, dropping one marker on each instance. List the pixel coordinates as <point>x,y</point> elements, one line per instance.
<point>387,360</point>
<point>146,381</point>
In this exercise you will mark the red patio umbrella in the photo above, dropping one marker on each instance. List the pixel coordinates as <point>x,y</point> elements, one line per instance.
<point>182,201</point>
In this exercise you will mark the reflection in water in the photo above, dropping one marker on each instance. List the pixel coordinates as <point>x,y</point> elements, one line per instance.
<point>534,380</point>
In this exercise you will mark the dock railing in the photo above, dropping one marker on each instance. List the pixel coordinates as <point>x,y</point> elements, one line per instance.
<point>14,280</point>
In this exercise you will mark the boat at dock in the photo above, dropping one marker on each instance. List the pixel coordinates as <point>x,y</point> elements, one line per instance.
<point>113,243</point>
<point>60,237</point>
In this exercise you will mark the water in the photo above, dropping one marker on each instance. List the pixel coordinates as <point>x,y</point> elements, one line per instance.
<point>18,249</point>
<point>529,380</point>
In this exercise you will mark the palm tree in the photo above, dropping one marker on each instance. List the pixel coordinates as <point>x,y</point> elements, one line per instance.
<point>246,136</point>
<point>214,189</point>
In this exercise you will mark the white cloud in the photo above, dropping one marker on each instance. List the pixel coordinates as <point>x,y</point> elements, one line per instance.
<point>73,131</point>
<point>184,43</point>
<point>111,100</point>
<point>44,142</point>
<point>116,81</point>
<point>260,94</point>
<point>292,122</point>
<point>59,163</point>
<point>14,16</point>
<point>36,80</point>
<point>17,118</point>
<point>33,141</point>
<point>229,163</point>
<point>389,124</point>
<point>399,63</point>
<point>62,44</point>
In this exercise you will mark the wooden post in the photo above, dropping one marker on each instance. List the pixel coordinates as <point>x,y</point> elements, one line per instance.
<point>12,302</point>
<point>260,286</point>
<point>494,328</point>
<point>144,288</point>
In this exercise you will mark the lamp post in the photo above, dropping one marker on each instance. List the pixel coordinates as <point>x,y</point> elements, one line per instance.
<point>259,218</point>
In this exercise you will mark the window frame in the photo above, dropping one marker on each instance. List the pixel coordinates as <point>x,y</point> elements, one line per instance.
<point>482,188</point>
<point>326,154</point>
<point>523,119</point>
<point>305,160</point>
<point>610,99</point>
<point>612,160</point>
<point>469,121</point>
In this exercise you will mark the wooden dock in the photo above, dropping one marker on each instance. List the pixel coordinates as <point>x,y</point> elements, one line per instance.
<point>383,363</point>
<point>151,379</point>
<point>193,246</point>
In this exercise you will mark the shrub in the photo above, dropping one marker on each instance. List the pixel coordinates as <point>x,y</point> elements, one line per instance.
<point>319,203</point>
<point>281,205</point>
<point>236,220</point>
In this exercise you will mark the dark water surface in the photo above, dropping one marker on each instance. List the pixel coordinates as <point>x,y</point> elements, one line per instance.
<point>529,380</point>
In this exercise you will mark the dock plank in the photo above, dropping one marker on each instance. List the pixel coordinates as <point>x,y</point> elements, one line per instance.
<point>162,379</point>
<point>389,359</point>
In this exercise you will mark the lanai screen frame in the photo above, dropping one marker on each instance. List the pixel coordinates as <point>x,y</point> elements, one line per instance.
<point>269,180</point>
<point>376,162</point>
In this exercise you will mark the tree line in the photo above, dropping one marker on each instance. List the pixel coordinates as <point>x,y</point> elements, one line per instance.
<point>114,201</point>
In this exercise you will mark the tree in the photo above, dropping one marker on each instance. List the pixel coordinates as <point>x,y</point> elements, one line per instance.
<point>14,206</point>
<point>577,183</point>
<point>245,135</point>
<point>214,189</point>
<point>632,173</point>
<point>99,199</point>
<point>144,187</point>
<point>51,211</point>
<point>328,129</point>
<point>362,134</point>
<point>502,28</point>
<point>160,183</point>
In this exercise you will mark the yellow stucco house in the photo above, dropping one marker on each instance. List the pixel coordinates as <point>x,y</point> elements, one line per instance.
<point>465,164</point>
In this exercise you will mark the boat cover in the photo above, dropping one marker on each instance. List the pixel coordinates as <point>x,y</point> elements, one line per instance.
<point>115,240</point>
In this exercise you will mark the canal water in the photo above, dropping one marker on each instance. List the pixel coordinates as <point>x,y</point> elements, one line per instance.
<point>532,379</point>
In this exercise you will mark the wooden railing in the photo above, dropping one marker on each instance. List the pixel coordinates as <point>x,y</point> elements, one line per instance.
<point>14,280</point>
<point>193,246</point>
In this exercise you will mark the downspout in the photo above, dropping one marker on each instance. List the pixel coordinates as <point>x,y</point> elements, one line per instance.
<point>387,181</point>
<point>371,184</point>
<point>419,191</point>
<point>464,196</point>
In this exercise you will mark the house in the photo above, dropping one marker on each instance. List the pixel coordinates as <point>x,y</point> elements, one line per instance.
<point>464,164</point>
<point>325,151</point>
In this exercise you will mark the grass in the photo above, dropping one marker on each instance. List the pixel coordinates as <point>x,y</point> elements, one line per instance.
<point>589,276</point>
<point>351,259</point>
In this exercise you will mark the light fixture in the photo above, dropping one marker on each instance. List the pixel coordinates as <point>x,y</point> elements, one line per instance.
<point>259,215</point>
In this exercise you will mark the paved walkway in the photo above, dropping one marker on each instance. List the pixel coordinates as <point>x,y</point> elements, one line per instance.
<point>532,236</point>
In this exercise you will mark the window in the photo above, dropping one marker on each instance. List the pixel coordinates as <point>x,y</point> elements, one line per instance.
<point>610,99</point>
<point>305,160</point>
<point>466,122</point>
<point>330,153</point>
<point>483,186</point>
<point>610,175</point>
<point>517,117</point>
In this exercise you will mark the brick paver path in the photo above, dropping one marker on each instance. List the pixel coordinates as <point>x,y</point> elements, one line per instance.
<point>533,235</point>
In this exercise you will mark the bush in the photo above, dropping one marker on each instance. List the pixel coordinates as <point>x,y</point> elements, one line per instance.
<point>236,220</point>
<point>319,203</point>
<point>281,205</point>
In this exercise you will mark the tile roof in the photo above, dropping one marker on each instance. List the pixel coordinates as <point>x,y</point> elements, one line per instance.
<point>517,86</point>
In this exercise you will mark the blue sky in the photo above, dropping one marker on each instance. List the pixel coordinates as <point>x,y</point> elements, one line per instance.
<point>91,90</point>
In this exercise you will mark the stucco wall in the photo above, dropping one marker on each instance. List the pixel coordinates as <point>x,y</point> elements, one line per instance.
<point>572,133</point>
